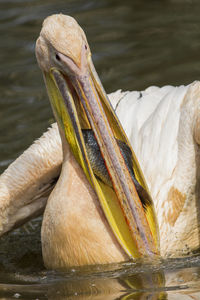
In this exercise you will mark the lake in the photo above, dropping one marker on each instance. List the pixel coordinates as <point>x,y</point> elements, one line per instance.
<point>135,44</point>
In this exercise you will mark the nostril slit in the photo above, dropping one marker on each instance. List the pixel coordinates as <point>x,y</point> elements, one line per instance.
<point>85,47</point>
<point>57,57</point>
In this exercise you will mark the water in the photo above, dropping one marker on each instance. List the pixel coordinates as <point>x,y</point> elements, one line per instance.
<point>135,44</point>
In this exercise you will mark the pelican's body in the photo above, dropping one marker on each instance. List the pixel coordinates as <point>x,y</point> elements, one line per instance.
<point>163,126</point>
<point>164,129</point>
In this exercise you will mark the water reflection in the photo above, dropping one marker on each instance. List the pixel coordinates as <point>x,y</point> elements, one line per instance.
<point>123,281</point>
<point>135,44</point>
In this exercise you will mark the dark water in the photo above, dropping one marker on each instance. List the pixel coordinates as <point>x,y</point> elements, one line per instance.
<point>135,44</point>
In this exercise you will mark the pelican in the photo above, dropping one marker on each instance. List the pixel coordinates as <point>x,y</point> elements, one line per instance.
<point>100,209</point>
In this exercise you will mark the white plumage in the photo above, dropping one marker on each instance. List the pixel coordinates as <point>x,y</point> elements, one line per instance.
<point>163,125</point>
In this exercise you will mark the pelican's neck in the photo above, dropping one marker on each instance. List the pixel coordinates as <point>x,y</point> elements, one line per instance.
<point>65,146</point>
<point>74,230</point>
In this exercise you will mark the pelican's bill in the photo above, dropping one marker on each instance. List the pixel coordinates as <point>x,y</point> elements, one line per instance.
<point>80,102</point>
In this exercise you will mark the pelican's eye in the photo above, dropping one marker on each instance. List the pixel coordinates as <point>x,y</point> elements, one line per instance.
<point>57,57</point>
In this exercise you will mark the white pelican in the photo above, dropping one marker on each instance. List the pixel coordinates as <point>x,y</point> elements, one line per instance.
<point>163,126</point>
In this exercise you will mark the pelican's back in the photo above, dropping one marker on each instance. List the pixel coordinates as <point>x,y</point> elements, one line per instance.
<point>163,125</point>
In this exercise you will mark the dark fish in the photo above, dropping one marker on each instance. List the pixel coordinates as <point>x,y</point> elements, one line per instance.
<point>99,167</point>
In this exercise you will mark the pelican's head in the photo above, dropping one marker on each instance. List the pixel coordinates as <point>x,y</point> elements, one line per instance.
<point>62,40</point>
<point>80,102</point>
